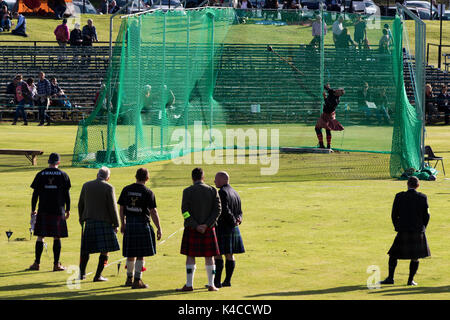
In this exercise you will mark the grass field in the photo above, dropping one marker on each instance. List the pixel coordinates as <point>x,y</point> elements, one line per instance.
<point>306,236</point>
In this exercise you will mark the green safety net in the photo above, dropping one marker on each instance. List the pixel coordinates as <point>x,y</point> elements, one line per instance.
<point>221,78</point>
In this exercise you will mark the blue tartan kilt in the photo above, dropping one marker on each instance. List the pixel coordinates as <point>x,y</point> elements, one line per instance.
<point>230,240</point>
<point>410,245</point>
<point>139,238</point>
<point>98,236</point>
<point>50,225</point>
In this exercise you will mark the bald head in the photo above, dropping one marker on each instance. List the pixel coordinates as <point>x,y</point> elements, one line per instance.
<point>222,178</point>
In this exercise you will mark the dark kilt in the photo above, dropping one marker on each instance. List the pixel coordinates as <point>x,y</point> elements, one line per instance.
<point>50,225</point>
<point>139,238</point>
<point>410,245</point>
<point>229,240</point>
<point>328,121</point>
<point>195,244</point>
<point>98,236</point>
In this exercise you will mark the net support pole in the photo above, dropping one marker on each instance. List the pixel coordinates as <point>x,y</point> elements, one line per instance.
<point>188,73</point>
<point>163,111</point>
<point>211,109</point>
<point>322,56</point>
<point>419,76</point>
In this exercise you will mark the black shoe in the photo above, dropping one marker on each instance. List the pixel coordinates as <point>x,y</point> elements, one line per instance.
<point>321,146</point>
<point>25,123</point>
<point>13,124</point>
<point>48,123</point>
<point>40,124</point>
<point>226,284</point>
<point>387,281</point>
<point>411,283</point>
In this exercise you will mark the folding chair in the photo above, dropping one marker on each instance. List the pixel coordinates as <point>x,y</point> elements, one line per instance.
<point>430,156</point>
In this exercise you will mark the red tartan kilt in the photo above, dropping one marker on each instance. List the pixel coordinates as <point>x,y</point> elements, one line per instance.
<point>195,244</point>
<point>328,121</point>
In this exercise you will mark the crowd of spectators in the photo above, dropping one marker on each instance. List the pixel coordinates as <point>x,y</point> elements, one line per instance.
<point>43,94</point>
<point>435,104</point>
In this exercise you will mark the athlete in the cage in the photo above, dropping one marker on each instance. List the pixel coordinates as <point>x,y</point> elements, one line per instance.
<point>327,119</point>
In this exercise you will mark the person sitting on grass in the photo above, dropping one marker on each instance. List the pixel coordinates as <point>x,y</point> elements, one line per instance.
<point>21,26</point>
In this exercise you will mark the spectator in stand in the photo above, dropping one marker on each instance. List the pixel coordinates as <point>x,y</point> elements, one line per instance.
<point>44,91</point>
<point>431,110</point>
<point>33,91</point>
<point>22,97</point>
<point>364,96</point>
<point>338,27</point>
<point>76,38</point>
<point>62,33</point>
<point>391,37</point>
<point>317,31</point>
<point>11,88</point>
<point>89,33</point>
<point>443,103</point>
<point>360,34</point>
<point>382,107</point>
<point>113,7</point>
<point>384,44</point>
<point>6,18</point>
<point>21,26</point>
<point>58,98</point>
<point>344,40</point>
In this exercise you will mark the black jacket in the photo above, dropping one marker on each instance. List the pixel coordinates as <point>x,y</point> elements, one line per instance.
<point>410,211</point>
<point>231,207</point>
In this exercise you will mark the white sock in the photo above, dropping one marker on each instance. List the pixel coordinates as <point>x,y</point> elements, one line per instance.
<point>138,269</point>
<point>190,271</point>
<point>130,268</point>
<point>211,271</point>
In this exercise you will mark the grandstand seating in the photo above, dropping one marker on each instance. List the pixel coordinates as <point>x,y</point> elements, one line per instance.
<point>262,77</point>
<point>79,79</point>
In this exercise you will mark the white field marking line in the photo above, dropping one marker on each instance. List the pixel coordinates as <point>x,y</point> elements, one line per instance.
<point>160,243</point>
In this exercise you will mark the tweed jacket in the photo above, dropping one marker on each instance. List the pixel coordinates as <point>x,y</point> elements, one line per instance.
<point>98,202</point>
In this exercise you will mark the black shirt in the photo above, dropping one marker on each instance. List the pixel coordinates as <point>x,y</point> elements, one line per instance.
<point>231,207</point>
<point>410,211</point>
<point>331,102</point>
<point>137,200</point>
<point>51,186</point>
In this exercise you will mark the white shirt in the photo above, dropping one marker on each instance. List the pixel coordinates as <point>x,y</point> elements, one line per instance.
<point>337,27</point>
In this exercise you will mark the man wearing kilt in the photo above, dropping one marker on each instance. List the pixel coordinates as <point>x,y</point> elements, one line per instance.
<point>327,119</point>
<point>137,205</point>
<point>99,220</point>
<point>228,233</point>
<point>410,216</point>
<point>51,187</point>
<point>200,208</point>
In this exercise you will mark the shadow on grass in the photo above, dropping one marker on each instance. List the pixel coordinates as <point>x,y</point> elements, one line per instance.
<point>398,291</point>
<point>309,292</point>
<point>24,272</point>
<point>110,293</point>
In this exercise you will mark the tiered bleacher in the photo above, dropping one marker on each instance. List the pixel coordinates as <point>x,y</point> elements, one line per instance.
<point>79,71</point>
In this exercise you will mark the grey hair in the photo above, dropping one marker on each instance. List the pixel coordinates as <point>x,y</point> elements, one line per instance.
<point>103,173</point>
